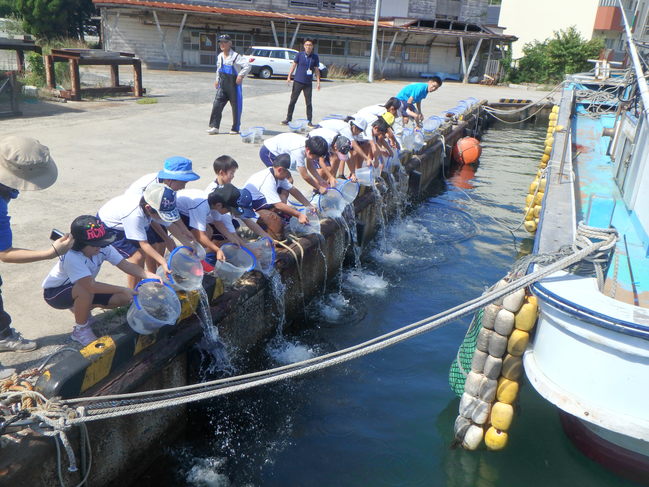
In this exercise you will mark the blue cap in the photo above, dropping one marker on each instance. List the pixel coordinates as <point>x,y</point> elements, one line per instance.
<point>244,205</point>
<point>179,169</point>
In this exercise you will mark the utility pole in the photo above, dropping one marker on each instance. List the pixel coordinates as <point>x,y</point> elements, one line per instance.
<point>377,12</point>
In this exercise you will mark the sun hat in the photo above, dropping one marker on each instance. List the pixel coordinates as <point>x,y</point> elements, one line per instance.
<point>179,169</point>
<point>239,202</point>
<point>342,146</point>
<point>163,200</point>
<point>90,230</point>
<point>360,123</point>
<point>388,117</point>
<point>25,164</point>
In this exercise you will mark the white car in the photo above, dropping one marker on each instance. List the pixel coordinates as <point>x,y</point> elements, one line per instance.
<point>267,61</point>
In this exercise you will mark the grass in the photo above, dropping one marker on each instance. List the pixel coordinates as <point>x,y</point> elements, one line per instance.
<point>350,72</point>
<point>147,101</point>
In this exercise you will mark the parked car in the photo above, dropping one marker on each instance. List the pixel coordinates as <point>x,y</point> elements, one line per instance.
<point>267,61</point>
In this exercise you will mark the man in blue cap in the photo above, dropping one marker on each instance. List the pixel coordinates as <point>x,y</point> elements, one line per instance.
<point>231,69</point>
<point>176,173</point>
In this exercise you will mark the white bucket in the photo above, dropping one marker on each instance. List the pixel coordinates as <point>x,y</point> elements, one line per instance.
<point>310,228</point>
<point>238,261</point>
<point>349,189</point>
<point>331,204</point>
<point>298,125</point>
<point>365,175</point>
<point>154,306</point>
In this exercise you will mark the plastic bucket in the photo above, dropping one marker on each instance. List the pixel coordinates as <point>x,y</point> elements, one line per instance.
<point>298,125</point>
<point>264,250</point>
<point>365,176</point>
<point>331,204</point>
<point>432,123</point>
<point>186,270</point>
<point>418,141</point>
<point>155,305</point>
<point>238,261</point>
<point>408,139</point>
<point>348,189</point>
<point>310,228</point>
<point>248,136</point>
<point>334,116</point>
<point>259,134</point>
<point>471,101</point>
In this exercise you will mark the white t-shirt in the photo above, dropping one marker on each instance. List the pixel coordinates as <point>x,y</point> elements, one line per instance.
<point>211,187</point>
<point>74,266</point>
<point>141,184</point>
<point>125,214</point>
<point>288,143</point>
<point>370,118</point>
<point>263,184</point>
<point>193,204</point>
<point>326,134</point>
<point>340,127</point>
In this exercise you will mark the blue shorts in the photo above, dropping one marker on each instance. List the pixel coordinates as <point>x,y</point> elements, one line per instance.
<point>218,236</point>
<point>127,247</point>
<point>266,156</point>
<point>60,297</point>
<point>405,106</point>
<point>152,236</point>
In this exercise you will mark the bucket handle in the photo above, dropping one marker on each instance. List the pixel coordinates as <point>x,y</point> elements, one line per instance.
<point>137,301</point>
<point>171,255</point>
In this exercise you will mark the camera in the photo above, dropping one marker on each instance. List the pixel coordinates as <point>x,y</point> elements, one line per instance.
<point>56,234</point>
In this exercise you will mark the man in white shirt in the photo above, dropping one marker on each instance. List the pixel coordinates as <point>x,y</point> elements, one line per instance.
<point>71,283</point>
<point>231,69</point>
<point>307,155</point>
<point>269,190</point>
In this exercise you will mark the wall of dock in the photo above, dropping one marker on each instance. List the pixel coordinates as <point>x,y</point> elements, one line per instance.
<point>124,447</point>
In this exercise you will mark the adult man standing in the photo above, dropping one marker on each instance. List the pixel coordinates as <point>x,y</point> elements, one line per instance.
<point>305,65</point>
<point>231,69</point>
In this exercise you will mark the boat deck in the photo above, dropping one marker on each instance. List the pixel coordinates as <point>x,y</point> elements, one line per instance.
<point>597,197</point>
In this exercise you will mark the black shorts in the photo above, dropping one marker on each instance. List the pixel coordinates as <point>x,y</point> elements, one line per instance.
<point>218,236</point>
<point>60,297</point>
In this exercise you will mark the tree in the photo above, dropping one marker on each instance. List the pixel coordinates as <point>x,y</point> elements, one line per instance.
<point>549,61</point>
<point>48,19</point>
<point>7,8</point>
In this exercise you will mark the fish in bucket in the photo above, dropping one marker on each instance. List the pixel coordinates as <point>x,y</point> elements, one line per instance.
<point>186,270</point>
<point>155,305</point>
<point>238,261</point>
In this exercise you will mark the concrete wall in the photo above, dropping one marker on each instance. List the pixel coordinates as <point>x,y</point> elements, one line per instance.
<point>532,20</point>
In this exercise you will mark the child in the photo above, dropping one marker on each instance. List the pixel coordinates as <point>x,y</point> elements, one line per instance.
<point>339,149</point>
<point>71,283</point>
<point>228,200</point>
<point>224,168</point>
<point>176,173</point>
<point>269,190</point>
<point>307,154</point>
<point>354,130</point>
<point>130,215</point>
<point>412,94</point>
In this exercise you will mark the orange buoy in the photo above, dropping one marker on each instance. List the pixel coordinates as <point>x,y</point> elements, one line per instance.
<point>467,150</point>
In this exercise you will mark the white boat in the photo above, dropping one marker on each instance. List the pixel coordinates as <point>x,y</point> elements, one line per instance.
<point>590,353</point>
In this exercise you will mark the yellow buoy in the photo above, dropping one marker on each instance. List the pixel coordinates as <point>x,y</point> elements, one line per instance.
<point>538,199</point>
<point>495,439</point>
<point>530,226</point>
<point>526,317</point>
<point>537,210</point>
<point>549,141</point>
<point>529,214</point>
<point>555,109</point>
<point>548,150</point>
<point>542,184</point>
<point>553,116</point>
<point>507,390</point>
<point>529,199</point>
<point>502,415</point>
<point>545,158</point>
<point>533,300</point>
<point>512,367</point>
<point>558,128</point>
<point>533,185</point>
<point>517,343</point>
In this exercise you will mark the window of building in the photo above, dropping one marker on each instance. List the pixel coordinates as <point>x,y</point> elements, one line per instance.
<point>337,5</point>
<point>191,40</point>
<point>416,54</point>
<point>359,48</point>
<point>330,46</point>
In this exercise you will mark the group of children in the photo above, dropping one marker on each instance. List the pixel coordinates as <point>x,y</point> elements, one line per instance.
<point>134,230</point>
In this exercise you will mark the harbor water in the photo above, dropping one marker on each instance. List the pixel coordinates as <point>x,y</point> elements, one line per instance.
<point>387,419</point>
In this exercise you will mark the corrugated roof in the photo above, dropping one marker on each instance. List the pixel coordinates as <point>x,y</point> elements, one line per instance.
<point>185,7</point>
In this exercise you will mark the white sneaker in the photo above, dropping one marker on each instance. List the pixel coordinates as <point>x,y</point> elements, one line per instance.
<point>83,334</point>
<point>212,131</point>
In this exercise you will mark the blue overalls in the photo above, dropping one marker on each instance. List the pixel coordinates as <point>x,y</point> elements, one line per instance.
<point>228,91</point>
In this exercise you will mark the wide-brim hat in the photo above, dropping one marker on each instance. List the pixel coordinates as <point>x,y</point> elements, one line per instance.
<point>178,168</point>
<point>26,164</point>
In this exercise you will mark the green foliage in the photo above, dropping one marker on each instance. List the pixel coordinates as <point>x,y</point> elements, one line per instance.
<point>35,70</point>
<point>7,8</point>
<point>47,19</point>
<point>549,61</point>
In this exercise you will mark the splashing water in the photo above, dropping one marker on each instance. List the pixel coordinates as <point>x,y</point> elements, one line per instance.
<point>326,270</point>
<point>365,282</point>
<point>447,223</point>
<point>278,288</point>
<point>285,352</point>
<point>213,351</point>
<point>205,473</point>
<point>380,206</point>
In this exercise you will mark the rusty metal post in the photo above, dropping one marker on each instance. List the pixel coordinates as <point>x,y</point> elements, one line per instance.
<point>137,77</point>
<point>20,60</point>
<point>75,80</point>
<point>50,78</point>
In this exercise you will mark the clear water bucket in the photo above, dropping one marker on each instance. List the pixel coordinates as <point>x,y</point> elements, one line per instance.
<point>238,261</point>
<point>366,175</point>
<point>408,138</point>
<point>310,228</point>
<point>331,204</point>
<point>248,136</point>
<point>259,134</point>
<point>349,189</point>
<point>264,251</point>
<point>334,116</point>
<point>155,305</point>
<point>431,124</point>
<point>418,140</point>
<point>298,125</point>
<point>186,270</point>
<point>394,161</point>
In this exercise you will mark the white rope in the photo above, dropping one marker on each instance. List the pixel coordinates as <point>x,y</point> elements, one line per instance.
<point>225,386</point>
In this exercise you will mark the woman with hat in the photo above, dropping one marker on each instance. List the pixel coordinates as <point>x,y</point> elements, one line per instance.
<point>25,165</point>
<point>71,283</point>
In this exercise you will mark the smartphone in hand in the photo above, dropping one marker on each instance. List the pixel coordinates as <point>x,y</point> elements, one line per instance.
<point>56,234</point>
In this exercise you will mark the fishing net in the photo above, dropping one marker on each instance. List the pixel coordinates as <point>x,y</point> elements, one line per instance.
<point>461,366</point>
